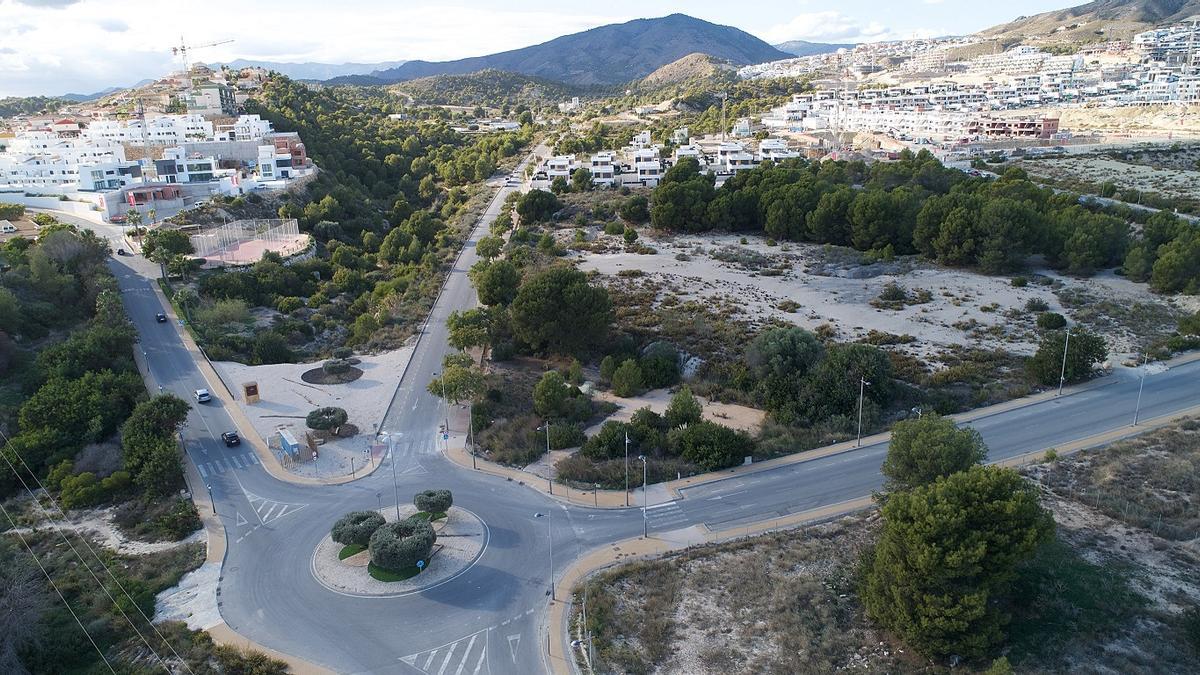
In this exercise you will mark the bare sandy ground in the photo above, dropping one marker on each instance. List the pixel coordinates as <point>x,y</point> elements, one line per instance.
<point>286,400</point>
<point>1170,182</point>
<point>728,414</point>
<point>965,308</point>
<point>99,524</point>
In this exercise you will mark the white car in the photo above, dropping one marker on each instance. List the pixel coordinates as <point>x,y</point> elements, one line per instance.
<point>202,396</point>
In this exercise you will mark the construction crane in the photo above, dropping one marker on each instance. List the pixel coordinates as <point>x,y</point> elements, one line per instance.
<point>182,50</point>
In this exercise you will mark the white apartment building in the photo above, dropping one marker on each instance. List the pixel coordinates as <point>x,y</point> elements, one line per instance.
<point>647,166</point>
<point>178,166</point>
<point>775,149</point>
<point>641,140</point>
<point>211,98</point>
<point>603,168</point>
<point>246,128</point>
<point>162,130</point>
<point>560,166</point>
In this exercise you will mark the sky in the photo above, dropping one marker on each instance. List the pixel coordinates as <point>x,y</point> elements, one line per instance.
<point>50,47</point>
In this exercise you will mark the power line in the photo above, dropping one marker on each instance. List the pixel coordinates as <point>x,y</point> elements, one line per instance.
<point>95,555</point>
<point>55,587</point>
<point>74,550</point>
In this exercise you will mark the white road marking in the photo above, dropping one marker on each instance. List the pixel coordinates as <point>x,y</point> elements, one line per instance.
<point>659,506</point>
<point>203,473</point>
<point>430,659</point>
<point>463,663</point>
<point>513,641</point>
<point>449,655</point>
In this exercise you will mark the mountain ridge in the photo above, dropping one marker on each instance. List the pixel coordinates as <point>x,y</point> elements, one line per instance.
<point>605,55</point>
<point>314,70</point>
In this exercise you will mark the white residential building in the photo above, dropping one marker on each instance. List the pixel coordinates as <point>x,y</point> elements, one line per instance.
<point>775,149</point>
<point>603,168</point>
<point>162,130</point>
<point>647,166</point>
<point>560,166</point>
<point>178,166</point>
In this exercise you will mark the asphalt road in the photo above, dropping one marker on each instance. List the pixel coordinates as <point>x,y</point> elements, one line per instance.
<point>491,618</point>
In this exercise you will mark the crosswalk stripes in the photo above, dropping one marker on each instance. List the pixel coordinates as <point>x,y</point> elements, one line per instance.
<point>669,514</point>
<point>465,656</point>
<point>217,466</point>
<point>269,510</point>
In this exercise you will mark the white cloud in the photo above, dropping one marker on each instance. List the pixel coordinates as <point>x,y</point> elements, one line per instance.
<point>91,52</point>
<point>827,26</point>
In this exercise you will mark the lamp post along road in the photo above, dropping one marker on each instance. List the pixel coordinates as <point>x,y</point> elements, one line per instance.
<point>862,385</point>
<point>549,478</point>
<point>645,500</point>
<point>1137,408</point>
<point>1062,375</point>
<point>549,538</point>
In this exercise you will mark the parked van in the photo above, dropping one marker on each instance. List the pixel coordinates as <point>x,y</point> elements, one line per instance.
<point>7,227</point>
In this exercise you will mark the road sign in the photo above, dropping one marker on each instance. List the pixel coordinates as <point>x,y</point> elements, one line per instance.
<point>445,437</point>
<point>420,564</point>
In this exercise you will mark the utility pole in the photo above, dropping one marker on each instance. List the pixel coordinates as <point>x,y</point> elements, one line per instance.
<point>395,485</point>
<point>1062,375</point>
<point>645,500</point>
<point>862,385</point>
<point>1141,383</point>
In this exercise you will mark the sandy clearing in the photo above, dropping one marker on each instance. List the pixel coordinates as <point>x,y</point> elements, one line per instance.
<point>99,524</point>
<point>286,399</point>
<point>193,600</point>
<point>731,415</point>
<point>975,302</point>
<point>1170,182</point>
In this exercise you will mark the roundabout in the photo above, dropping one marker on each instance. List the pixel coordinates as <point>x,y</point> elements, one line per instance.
<point>462,538</point>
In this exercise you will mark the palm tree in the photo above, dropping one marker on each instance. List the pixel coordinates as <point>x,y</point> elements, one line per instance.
<point>134,217</point>
<point>152,214</point>
<point>184,297</point>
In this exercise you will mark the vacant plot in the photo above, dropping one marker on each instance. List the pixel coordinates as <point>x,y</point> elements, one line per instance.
<point>912,306</point>
<point>1168,181</point>
<point>1110,594</point>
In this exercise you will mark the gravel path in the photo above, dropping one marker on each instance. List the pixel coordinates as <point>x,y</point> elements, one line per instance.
<point>462,537</point>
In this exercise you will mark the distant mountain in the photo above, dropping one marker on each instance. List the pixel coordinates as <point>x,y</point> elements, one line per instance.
<point>806,48</point>
<point>607,55</point>
<point>80,98</point>
<point>310,70</point>
<point>1094,21</point>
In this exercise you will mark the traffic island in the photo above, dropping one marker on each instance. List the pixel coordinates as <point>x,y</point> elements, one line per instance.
<point>347,568</point>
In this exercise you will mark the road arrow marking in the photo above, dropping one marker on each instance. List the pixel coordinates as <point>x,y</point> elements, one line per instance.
<point>513,641</point>
<point>240,520</point>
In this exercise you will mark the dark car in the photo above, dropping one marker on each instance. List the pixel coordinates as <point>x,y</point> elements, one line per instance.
<point>122,251</point>
<point>160,317</point>
<point>231,438</point>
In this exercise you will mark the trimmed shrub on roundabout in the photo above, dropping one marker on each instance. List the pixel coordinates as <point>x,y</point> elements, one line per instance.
<point>433,501</point>
<point>356,527</point>
<point>325,419</point>
<point>398,546</point>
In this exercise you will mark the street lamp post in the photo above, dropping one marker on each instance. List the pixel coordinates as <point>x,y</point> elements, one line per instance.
<point>471,433</point>
<point>1062,374</point>
<point>862,385</point>
<point>626,468</point>
<point>596,495</point>
<point>1137,408</point>
<point>550,538</point>
<point>645,499</point>
<point>549,479</point>
<point>395,485</point>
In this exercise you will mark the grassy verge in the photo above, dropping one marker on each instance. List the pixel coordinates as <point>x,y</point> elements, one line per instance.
<point>431,517</point>
<point>349,550</point>
<point>389,576</point>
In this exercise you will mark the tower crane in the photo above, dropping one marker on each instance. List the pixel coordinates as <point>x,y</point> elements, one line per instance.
<point>182,50</point>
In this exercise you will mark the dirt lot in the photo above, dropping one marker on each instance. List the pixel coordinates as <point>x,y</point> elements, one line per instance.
<point>1105,597</point>
<point>1168,181</point>
<point>810,285</point>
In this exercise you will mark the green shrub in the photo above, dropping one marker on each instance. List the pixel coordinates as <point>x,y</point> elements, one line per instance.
<point>710,446</point>
<point>1051,321</point>
<point>336,366</point>
<point>289,304</point>
<point>1020,282</point>
<point>342,353</point>
<point>608,366</point>
<point>325,419</point>
<point>179,522</point>
<point>1036,305</point>
<point>398,546</point>
<point>356,527</point>
<point>80,490</point>
<point>627,379</point>
<point>614,228</point>
<point>566,436</point>
<point>433,501</point>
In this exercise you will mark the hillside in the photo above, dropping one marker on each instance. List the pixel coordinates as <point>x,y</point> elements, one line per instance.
<point>611,54</point>
<point>310,70</point>
<point>1098,20</point>
<point>690,68</point>
<point>486,87</point>
<point>806,48</point>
